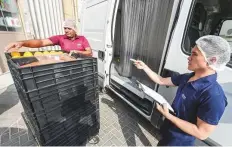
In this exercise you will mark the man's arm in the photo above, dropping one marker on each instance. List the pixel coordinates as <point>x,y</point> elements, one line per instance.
<point>158,79</point>
<point>35,43</point>
<point>152,75</point>
<point>201,130</point>
<point>87,52</point>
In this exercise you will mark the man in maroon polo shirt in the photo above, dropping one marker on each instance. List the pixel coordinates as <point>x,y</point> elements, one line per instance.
<point>69,42</point>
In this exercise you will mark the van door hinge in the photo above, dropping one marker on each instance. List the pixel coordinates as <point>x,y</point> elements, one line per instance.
<point>108,46</point>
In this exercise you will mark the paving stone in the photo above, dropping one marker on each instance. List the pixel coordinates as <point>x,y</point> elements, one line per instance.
<point>34,144</point>
<point>2,130</point>
<point>101,133</point>
<point>7,131</point>
<point>107,130</point>
<point>30,136</point>
<point>101,142</point>
<point>5,138</point>
<point>30,143</point>
<point>21,123</point>
<point>21,132</point>
<point>105,138</point>
<point>117,125</point>
<point>138,141</point>
<point>108,143</point>
<point>144,140</point>
<point>14,130</point>
<point>117,133</point>
<point>116,141</point>
<point>125,137</point>
<point>12,142</point>
<point>23,138</point>
<point>131,141</point>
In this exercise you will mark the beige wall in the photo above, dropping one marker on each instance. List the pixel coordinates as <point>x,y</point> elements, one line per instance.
<point>70,12</point>
<point>7,37</point>
<point>68,6</point>
<point>70,9</point>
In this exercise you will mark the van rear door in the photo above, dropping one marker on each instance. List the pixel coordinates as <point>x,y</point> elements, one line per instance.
<point>95,20</point>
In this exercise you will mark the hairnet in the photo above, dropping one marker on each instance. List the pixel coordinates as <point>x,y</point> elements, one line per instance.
<point>214,47</point>
<point>69,23</point>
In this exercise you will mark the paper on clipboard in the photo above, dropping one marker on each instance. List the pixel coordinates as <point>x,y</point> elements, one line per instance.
<point>157,97</point>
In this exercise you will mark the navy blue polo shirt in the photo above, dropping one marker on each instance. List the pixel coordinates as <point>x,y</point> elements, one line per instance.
<point>203,98</point>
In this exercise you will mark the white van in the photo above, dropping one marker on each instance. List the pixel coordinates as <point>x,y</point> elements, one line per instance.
<point>161,33</point>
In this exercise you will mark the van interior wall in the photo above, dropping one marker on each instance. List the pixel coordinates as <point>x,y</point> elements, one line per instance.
<point>140,33</point>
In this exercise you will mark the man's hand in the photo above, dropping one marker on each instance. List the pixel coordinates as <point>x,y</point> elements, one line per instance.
<point>73,51</point>
<point>140,64</point>
<point>87,52</point>
<point>201,130</point>
<point>163,110</point>
<point>13,46</point>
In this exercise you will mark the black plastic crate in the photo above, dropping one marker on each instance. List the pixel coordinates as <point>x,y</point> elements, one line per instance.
<point>60,99</point>
<point>46,101</point>
<point>36,77</point>
<point>79,135</point>
<point>82,80</point>
<point>60,112</point>
<point>43,76</point>
<point>63,132</point>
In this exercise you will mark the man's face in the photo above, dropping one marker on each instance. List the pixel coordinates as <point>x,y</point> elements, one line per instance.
<point>69,32</point>
<point>196,61</point>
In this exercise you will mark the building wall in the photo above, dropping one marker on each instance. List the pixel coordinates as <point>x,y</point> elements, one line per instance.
<point>40,19</point>
<point>7,37</point>
<point>70,8</point>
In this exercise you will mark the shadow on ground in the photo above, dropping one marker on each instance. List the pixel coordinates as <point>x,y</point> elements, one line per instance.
<point>16,137</point>
<point>8,98</point>
<point>136,121</point>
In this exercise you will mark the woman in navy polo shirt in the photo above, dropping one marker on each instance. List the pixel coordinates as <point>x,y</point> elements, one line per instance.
<point>200,101</point>
<point>69,42</point>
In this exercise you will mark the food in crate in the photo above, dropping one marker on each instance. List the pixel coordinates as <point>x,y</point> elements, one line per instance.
<point>42,58</point>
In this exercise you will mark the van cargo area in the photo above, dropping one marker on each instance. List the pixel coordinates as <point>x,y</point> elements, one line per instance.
<point>140,33</point>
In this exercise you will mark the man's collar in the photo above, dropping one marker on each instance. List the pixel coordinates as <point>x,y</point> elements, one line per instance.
<point>205,81</point>
<point>66,37</point>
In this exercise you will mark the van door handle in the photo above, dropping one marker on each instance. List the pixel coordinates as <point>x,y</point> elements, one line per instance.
<point>101,55</point>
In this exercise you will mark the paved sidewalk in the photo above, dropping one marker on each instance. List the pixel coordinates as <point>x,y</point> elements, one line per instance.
<point>120,125</point>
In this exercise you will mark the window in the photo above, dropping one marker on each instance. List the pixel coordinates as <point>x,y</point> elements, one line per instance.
<point>9,16</point>
<point>208,18</point>
<point>226,33</point>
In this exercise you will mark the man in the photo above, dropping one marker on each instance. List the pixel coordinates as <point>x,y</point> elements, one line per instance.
<point>200,101</point>
<point>69,42</point>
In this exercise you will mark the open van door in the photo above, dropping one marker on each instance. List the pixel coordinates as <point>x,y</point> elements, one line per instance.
<point>96,18</point>
<point>202,19</point>
<point>141,30</point>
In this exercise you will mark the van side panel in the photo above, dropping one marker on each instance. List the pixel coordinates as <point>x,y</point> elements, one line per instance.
<point>94,26</point>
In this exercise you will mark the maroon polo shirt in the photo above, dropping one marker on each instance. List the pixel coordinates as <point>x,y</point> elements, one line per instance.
<point>80,43</point>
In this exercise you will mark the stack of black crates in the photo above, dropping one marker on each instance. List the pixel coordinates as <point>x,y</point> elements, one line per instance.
<point>60,100</point>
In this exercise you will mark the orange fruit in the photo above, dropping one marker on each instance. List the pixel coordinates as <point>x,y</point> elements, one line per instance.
<point>27,54</point>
